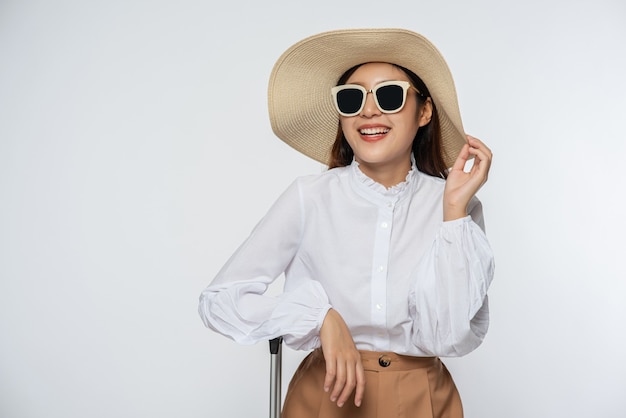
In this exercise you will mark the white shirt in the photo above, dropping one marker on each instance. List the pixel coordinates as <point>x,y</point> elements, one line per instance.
<point>402,278</point>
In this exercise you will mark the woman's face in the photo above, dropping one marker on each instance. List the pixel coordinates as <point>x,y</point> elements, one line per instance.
<point>382,141</point>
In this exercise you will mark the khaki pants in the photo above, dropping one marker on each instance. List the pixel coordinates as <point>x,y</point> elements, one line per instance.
<point>395,387</point>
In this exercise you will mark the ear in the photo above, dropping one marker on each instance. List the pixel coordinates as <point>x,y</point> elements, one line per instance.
<point>425,113</point>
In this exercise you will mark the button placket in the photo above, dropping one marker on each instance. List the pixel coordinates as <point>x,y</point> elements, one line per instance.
<point>379,271</point>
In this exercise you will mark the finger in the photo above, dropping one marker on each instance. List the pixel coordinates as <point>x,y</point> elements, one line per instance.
<point>477,143</point>
<point>349,385</point>
<point>360,384</point>
<point>473,140</point>
<point>482,159</point>
<point>477,147</point>
<point>461,159</point>
<point>331,373</point>
<point>477,176</point>
<point>340,381</point>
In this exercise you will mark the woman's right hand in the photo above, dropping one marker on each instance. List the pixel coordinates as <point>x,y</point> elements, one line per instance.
<point>344,370</point>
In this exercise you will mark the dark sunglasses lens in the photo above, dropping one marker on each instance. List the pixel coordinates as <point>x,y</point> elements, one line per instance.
<point>390,98</point>
<point>349,100</point>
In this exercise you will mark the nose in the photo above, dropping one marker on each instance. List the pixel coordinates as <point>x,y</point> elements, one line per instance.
<point>370,109</point>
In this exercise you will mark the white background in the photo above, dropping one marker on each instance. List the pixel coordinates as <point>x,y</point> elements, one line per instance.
<point>136,155</point>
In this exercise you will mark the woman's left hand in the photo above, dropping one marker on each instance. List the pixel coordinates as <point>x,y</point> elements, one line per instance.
<point>461,186</point>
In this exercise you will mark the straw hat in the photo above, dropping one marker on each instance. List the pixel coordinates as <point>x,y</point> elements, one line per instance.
<point>301,109</point>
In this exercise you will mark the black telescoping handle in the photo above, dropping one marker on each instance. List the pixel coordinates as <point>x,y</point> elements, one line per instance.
<point>275,345</point>
<point>276,354</point>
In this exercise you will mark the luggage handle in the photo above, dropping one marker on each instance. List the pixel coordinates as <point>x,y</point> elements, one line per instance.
<point>276,357</point>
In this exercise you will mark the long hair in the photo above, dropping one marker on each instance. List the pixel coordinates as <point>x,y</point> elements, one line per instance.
<point>426,147</point>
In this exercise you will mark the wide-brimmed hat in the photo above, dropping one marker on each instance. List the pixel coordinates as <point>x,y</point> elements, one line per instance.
<point>301,107</point>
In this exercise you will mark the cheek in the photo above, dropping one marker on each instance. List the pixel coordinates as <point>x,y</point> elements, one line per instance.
<point>407,122</point>
<point>345,122</point>
<point>414,122</point>
<point>347,128</point>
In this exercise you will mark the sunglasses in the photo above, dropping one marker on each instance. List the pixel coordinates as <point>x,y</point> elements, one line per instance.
<point>389,97</point>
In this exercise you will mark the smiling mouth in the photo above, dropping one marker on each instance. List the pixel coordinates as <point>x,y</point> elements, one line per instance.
<point>374,131</point>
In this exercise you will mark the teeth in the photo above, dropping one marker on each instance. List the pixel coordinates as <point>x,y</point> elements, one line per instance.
<point>373,131</point>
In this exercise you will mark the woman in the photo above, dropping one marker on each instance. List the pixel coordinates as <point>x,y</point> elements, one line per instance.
<point>385,259</point>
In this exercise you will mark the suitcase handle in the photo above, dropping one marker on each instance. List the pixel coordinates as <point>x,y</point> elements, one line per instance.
<point>276,360</point>
<point>275,345</point>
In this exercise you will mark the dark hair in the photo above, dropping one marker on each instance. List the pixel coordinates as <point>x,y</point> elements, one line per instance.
<point>426,147</point>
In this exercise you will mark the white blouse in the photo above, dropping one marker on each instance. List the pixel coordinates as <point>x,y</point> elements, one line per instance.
<point>402,279</point>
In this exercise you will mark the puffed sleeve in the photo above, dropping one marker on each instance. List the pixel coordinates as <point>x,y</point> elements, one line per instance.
<point>448,302</point>
<point>234,304</point>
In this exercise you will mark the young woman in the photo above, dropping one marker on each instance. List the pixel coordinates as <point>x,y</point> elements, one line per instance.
<point>386,262</point>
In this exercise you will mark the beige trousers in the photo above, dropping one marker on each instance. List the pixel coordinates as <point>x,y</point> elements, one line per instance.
<point>395,387</point>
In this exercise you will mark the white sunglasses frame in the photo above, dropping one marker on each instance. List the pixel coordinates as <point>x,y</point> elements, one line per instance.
<point>404,84</point>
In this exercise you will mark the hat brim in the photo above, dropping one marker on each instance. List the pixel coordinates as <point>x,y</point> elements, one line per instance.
<point>301,110</point>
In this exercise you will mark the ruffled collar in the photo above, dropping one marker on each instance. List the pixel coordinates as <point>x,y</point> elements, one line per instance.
<point>379,188</point>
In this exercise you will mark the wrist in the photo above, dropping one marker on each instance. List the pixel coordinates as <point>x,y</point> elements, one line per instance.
<point>451,213</point>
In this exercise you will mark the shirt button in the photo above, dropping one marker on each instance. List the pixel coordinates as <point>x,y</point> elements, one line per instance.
<point>381,268</point>
<point>389,204</point>
<point>379,306</point>
<point>384,225</point>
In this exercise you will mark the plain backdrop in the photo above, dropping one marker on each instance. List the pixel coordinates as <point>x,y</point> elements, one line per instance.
<point>136,155</point>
